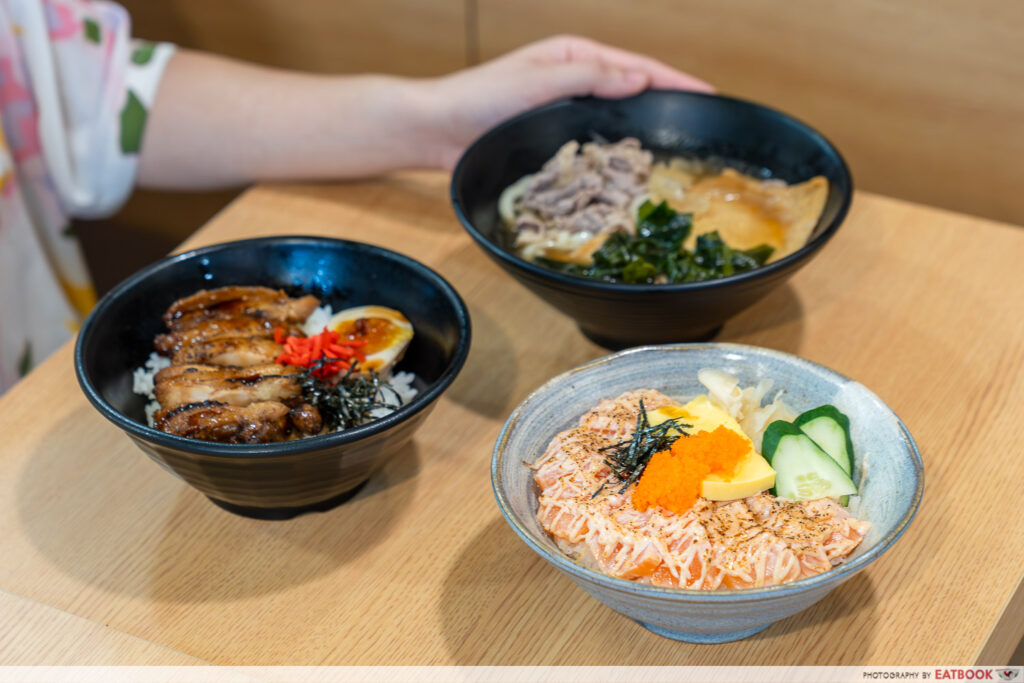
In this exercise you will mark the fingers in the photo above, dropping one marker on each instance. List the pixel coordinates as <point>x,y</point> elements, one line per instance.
<point>661,74</point>
<point>586,78</point>
<point>577,49</point>
<point>547,70</point>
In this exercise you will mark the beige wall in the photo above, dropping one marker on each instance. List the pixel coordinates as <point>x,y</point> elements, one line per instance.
<point>925,98</point>
<point>412,37</point>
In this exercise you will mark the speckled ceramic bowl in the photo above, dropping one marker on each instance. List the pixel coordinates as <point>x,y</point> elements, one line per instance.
<point>889,494</point>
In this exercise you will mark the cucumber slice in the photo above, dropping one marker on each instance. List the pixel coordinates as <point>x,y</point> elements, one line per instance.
<point>830,429</point>
<point>770,439</point>
<point>802,470</point>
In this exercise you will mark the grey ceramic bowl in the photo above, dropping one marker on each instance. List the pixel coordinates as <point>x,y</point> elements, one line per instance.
<point>889,495</point>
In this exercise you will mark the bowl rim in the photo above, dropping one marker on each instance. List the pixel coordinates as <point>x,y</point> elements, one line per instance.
<point>577,571</point>
<point>515,261</point>
<point>422,400</point>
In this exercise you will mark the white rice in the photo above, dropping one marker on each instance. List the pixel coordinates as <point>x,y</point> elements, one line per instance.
<point>143,378</point>
<point>317,321</point>
<point>401,382</point>
<point>143,382</point>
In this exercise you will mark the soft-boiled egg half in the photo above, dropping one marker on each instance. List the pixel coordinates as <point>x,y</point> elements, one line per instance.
<point>387,334</point>
<point>753,473</point>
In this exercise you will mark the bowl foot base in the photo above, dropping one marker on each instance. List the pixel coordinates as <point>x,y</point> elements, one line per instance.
<point>617,345</point>
<point>703,638</point>
<point>283,513</point>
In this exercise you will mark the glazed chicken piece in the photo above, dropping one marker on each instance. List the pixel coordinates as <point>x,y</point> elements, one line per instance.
<point>306,419</point>
<point>261,422</point>
<point>224,384</point>
<point>178,385</point>
<point>236,351</point>
<point>237,302</point>
<point>222,328</point>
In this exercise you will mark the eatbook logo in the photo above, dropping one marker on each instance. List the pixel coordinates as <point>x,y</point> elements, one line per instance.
<point>1009,674</point>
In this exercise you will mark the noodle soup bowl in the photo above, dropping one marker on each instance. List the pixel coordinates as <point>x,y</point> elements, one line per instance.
<point>755,139</point>
<point>890,485</point>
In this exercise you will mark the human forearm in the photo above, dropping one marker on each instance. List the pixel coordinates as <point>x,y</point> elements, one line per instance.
<point>217,122</point>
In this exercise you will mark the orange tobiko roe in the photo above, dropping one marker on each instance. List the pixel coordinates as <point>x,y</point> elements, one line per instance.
<point>672,478</point>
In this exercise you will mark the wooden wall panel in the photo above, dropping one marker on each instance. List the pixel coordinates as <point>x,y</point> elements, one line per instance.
<point>923,97</point>
<point>409,37</point>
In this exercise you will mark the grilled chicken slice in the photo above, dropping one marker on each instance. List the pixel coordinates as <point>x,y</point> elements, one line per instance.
<point>237,351</point>
<point>224,371</point>
<point>262,422</point>
<point>306,419</point>
<point>181,384</point>
<point>237,302</point>
<point>222,328</point>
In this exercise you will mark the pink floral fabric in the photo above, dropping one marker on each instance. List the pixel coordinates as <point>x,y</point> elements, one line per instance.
<point>75,90</point>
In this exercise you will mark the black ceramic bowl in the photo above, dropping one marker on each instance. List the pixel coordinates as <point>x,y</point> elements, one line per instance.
<point>672,123</point>
<point>275,480</point>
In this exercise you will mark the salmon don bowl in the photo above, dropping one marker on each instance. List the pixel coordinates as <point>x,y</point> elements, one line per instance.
<point>706,490</point>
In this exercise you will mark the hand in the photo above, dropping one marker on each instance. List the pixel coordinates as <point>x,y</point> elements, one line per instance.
<point>221,123</point>
<point>468,102</point>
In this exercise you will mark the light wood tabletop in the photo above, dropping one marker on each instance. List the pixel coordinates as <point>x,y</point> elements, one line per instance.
<point>109,559</point>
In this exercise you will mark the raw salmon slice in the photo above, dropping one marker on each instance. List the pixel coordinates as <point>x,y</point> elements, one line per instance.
<point>754,542</point>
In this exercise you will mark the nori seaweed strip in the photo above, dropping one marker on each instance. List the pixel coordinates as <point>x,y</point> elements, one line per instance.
<point>628,459</point>
<point>348,402</point>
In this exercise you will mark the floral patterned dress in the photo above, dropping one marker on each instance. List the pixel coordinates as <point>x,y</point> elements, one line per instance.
<point>74,92</point>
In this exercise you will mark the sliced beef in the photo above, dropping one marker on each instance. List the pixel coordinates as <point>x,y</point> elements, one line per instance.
<point>589,189</point>
<point>624,165</point>
<point>566,199</point>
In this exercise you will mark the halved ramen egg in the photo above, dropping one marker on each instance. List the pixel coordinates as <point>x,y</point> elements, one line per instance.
<point>387,334</point>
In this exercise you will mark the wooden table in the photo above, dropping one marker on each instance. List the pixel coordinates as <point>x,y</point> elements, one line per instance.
<point>109,559</point>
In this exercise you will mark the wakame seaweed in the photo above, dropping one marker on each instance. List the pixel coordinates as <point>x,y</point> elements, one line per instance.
<point>655,254</point>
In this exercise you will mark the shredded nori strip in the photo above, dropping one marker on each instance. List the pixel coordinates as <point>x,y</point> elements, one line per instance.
<point>347,402</point>
<point>628,459</point>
